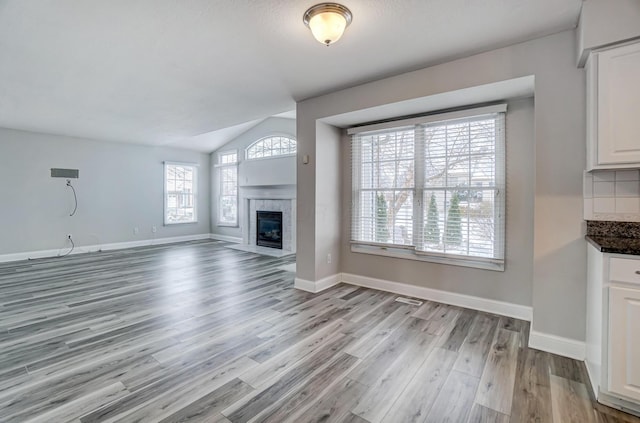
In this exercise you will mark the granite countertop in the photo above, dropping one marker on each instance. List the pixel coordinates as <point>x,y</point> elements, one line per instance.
<point>613,244</point>
<point>614,237</point>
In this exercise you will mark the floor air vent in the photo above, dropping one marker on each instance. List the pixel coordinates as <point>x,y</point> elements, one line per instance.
<point>408,301</point>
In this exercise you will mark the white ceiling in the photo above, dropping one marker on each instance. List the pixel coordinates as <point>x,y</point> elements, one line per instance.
<point>176,72</point>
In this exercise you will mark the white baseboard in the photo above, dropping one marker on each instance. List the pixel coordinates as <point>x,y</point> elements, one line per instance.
<point>613,401</point>
<point>319,285</point>
<point>550,343</point>
<point>593,371</point>
<point>558,345</point>
<point>99,247</point>
<point>227,238</point>
<point>476,303</point>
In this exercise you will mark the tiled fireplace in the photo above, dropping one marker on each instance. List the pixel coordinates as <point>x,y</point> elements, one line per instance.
<point>271,207</point>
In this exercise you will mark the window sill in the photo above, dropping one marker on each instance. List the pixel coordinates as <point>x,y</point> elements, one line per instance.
<point>227,225</point>
<point>410,254</point>
<point>179,223</point>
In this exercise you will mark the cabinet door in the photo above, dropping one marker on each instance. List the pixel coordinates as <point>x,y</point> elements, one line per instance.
<point>624,342</point>
<point>619,105</point>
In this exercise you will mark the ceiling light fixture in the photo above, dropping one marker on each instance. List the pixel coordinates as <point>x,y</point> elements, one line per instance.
<point>327,21</point>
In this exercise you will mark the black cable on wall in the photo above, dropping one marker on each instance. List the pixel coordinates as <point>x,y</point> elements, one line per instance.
<point>75,197</point>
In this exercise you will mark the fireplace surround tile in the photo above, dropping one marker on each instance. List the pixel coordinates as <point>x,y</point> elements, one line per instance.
<point>279,205</point>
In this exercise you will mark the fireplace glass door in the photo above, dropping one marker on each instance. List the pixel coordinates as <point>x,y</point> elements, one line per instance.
<point>269,229</point>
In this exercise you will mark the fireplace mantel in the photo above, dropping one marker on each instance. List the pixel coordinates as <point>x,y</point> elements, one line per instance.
<point>279,192</point>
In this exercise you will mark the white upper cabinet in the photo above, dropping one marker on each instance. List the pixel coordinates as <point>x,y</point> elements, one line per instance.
<point>613,108</point>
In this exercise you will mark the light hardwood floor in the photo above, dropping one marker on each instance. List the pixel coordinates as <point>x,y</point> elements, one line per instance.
<point>200,332</point>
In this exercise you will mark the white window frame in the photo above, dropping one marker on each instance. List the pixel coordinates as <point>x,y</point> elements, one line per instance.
<point>220,166</point>
<point>194,167</point>
<point>246,150</point>
<point>411,251</point>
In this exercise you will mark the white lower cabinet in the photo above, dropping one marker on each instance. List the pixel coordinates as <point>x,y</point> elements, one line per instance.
<point>613,329</point>
<point>624,341</point>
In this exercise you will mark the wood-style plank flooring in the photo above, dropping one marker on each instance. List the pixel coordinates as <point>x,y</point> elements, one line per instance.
<point>199,332</point>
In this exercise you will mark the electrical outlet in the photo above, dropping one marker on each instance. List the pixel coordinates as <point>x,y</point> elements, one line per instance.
<point>329,258</point>
<point>154,229</point>
<point>136,230</point>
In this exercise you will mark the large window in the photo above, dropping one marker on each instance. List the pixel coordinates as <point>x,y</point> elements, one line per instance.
<point>432,188</point>
<point>180,193</point>
<point>271,147</point>
<point>228,189</point>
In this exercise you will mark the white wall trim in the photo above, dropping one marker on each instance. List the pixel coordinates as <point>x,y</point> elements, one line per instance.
<point>558,345</point>
<point>476,303</point>
<point>99,247</point>
<point>593,372</point>
<point>319,285</point>
<point>227,238</point>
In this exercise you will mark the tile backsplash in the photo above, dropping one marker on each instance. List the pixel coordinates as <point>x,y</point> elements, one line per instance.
<point>612,195</point>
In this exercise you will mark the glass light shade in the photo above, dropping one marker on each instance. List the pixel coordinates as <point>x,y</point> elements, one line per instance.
<point>327,21</point>
<point>327,27</point>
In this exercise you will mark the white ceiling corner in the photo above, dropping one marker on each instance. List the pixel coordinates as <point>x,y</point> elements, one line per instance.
<point>291,114</point>
<point>211,141</point>
<point>190,73</point>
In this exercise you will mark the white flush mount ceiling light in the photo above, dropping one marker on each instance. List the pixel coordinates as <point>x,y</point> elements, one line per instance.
<point>327,21</point>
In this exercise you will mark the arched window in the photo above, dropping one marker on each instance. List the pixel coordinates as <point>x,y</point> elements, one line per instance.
<point>271,147</point>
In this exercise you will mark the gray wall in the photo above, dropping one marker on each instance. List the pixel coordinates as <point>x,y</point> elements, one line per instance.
<point>267,172</point>
<point>120,187</point>
<point>329,204</point>
<point>557,292</point>
<point>604,22</point>
<point>514,284</point>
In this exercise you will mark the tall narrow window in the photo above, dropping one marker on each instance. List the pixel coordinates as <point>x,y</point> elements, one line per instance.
<point>180,193</point>
<point>228,189</point>
<point>386,185</point>
<point>432,187</point>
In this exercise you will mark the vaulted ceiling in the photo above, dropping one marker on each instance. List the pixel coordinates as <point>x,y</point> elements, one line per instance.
<point>195,73</point>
